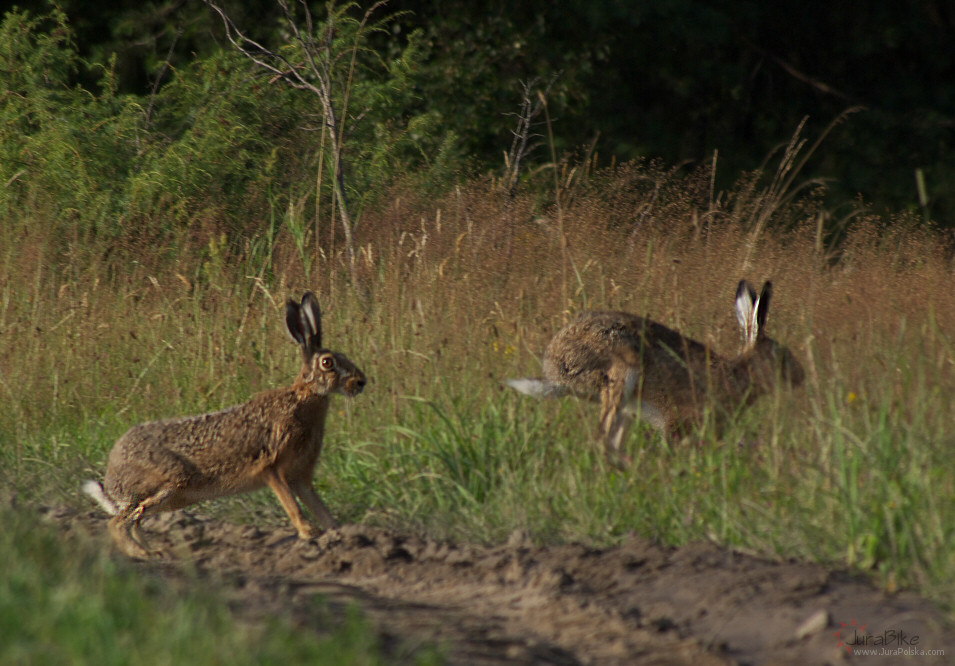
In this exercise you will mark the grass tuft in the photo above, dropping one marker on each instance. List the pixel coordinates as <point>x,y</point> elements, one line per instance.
<point>62,601</point>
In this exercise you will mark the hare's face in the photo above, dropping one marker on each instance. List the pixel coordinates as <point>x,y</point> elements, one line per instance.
<point>331,372</point>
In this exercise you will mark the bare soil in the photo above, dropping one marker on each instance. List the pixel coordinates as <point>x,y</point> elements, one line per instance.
<point>517,603</point>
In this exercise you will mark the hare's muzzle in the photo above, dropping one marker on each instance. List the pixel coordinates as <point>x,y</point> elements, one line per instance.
<point>354,385</point>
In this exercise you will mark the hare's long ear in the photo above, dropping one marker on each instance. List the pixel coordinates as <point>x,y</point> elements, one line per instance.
<point>304,323</point>
<point>312,320</point>
<point>746,310</point>
<point>295,323</point>
<point>762,307</point>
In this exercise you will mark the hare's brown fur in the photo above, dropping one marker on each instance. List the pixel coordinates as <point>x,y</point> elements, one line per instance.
<point>639,368</point>
<point>273,440</point>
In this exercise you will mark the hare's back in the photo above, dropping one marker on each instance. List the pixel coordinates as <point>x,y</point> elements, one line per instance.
<point>581,353</point>
<point>192,434</point>
<point>191,448</point>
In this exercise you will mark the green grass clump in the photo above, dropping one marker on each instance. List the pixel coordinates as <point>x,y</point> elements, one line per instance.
<point>65,602</point>
<point>857,485</point>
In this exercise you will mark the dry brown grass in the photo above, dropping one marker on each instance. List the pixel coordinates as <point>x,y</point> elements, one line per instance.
<point>479,279</point>
<point>458,293</point>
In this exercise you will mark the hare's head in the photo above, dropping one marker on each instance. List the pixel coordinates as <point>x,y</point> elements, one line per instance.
<point>325,371</point>
<point>767,362</point>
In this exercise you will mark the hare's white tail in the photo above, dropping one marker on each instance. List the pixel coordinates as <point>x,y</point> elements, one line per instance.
<point>539,388</point>
<point>95,490</point>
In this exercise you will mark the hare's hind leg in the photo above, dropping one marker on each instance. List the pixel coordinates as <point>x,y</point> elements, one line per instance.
<point>615,398</point>
<point>128,538</point>
<point>614,421</point>
<point>125,528</point>
<point>306,492</point>
<point>280,486</point>
<point>127,535</point>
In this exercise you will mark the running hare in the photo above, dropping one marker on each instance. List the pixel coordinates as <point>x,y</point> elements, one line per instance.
<point>639,368</point>
<point>274,439</point>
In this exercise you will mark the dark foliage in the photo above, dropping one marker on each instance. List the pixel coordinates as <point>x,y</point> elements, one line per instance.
<point>659,78</point>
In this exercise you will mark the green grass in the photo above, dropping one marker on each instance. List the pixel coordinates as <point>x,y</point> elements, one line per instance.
<point>62,601</point>
<point>865,490</point>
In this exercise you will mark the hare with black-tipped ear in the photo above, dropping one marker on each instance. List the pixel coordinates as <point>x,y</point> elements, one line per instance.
<point>272,440</point>
<point>640,369</point>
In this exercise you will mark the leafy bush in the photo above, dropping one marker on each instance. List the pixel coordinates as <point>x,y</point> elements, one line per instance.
<point>63,150</point>
<point>219,147</point>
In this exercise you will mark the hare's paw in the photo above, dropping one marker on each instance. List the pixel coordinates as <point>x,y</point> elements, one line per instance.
<point>307,532</point>
<point>136,548</point>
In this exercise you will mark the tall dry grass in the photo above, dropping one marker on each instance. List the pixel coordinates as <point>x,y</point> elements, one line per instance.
<point>457,294</point>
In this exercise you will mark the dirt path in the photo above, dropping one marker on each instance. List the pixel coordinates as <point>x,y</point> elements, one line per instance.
<point>517,603</point>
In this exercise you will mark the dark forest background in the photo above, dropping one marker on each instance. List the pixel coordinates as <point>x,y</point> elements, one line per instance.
<point>670,79</point>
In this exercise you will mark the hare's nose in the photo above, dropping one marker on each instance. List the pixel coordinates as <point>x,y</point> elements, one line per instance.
<point>356,385</point>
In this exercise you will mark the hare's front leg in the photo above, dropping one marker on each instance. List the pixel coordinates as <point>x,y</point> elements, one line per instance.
<point>306,492</point>
<point>280,486</point>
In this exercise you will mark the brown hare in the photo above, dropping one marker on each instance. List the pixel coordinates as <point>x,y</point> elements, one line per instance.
<point>641,369</point>
<point>272,440</point>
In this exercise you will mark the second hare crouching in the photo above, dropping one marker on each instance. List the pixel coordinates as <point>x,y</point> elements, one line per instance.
<point>640,369</point>
<point>272,440</point>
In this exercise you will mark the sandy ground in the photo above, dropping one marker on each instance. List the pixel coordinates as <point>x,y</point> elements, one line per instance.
<point>517,603</point>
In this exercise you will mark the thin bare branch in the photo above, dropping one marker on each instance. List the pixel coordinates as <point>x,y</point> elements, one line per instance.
<point>801,76</point>
<point>317,66</point>
<point>531,107</point>
<point>159,77</point>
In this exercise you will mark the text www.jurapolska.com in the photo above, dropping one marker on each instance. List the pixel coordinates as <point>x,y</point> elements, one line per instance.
<point>897,652</point>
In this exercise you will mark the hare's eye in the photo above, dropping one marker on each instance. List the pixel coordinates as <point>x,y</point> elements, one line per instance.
<point>327,362</point>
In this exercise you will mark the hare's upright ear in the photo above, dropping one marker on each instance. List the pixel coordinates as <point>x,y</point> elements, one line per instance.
<point>312,317</point>
<point>746,311</point>
<point>304,322</point>
<point>762,307</point>
<point>294,323</point>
